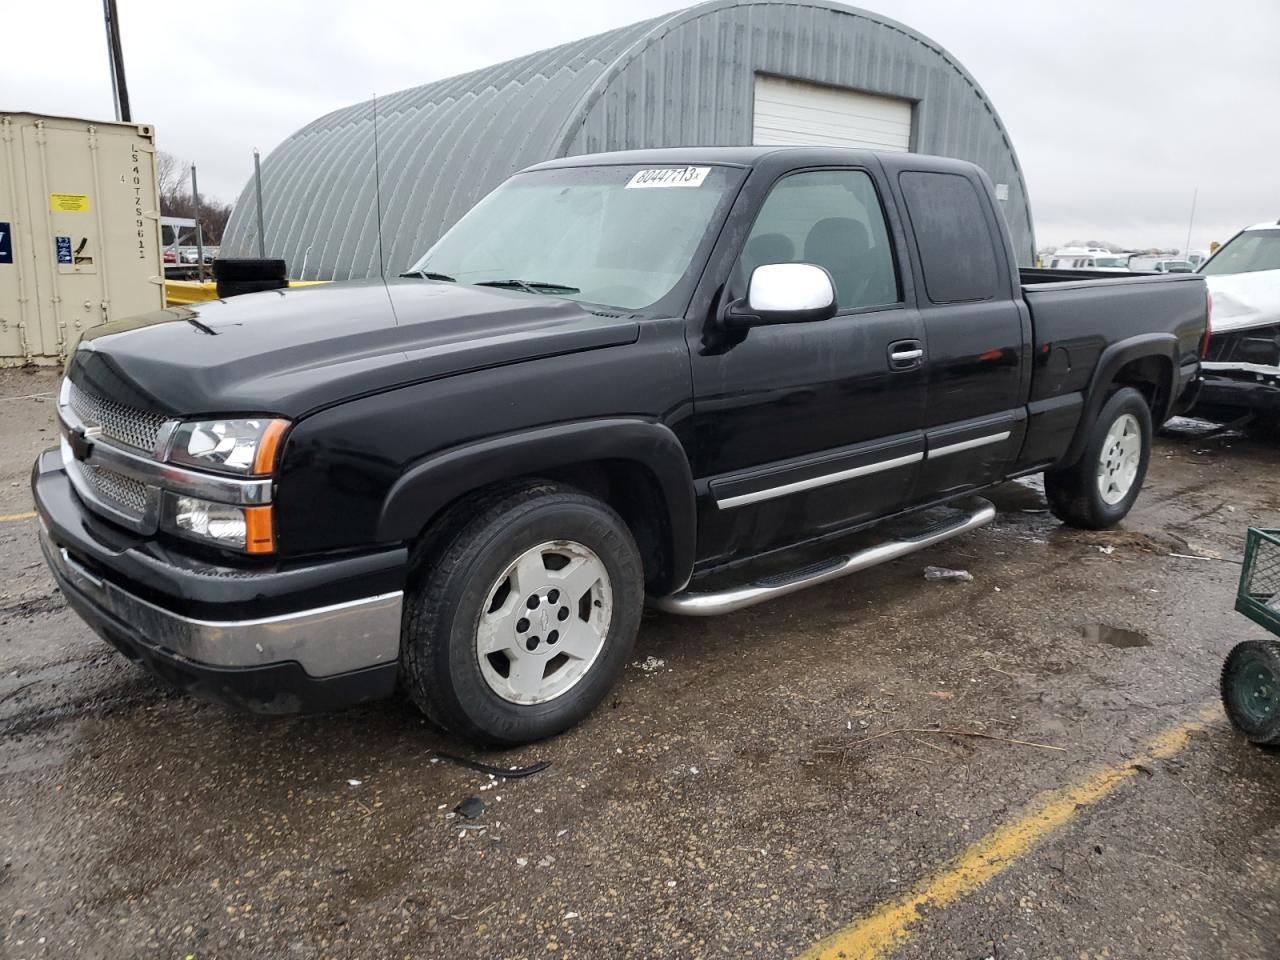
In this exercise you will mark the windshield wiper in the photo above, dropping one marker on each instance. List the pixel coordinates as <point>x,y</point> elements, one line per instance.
<point>427,275</point>
<point>530,286</point>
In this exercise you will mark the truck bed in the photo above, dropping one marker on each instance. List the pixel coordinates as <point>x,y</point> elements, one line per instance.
<point>1075,318</point>
<point>1030,275</point>
<point>1144,302</point>
<point>1109,307</point>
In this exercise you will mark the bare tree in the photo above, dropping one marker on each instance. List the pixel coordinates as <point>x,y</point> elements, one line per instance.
<point>173,178</point>
<point>213,218</point>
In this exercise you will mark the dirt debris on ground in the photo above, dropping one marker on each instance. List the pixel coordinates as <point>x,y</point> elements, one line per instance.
<point>756,782</point>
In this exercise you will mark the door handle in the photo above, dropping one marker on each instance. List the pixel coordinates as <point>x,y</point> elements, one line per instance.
<point>905,355</point>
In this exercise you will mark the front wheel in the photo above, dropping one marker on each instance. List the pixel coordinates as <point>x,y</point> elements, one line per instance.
<point>1099,489</point>
<point>524,615</point>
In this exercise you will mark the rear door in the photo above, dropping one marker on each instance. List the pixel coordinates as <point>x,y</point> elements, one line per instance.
<point>976,327</point>
<point>806,428</point>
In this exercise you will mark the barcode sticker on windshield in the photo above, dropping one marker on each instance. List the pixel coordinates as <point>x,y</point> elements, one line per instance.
<point>670,177</point>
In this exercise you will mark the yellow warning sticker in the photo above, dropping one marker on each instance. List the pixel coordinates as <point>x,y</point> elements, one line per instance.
<point>69,202</point>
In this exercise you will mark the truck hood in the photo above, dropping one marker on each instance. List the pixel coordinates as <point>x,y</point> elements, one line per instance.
<point>289,352</point>
<point>1243,301</point>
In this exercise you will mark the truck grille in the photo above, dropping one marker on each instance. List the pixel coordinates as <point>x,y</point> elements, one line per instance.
<point>126,494</point>
<point>127,425</point>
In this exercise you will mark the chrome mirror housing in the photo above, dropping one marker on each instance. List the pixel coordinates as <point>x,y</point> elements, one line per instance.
<point>785,293</point>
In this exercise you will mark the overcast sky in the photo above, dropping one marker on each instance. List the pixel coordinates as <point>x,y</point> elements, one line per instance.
<point>1119,111</point>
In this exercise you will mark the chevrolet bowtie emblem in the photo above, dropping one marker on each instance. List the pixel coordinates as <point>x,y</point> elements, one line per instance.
<point>81,445</point>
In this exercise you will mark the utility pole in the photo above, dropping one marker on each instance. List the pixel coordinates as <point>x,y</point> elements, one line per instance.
<point>195,202</point>
<point>257,187</point>
<point>119,89</point>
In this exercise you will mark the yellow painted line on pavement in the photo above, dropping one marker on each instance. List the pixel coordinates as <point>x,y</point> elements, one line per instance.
<point>888,926</point>
<point>12,517</point>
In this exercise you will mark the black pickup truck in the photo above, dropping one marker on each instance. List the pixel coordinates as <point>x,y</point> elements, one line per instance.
<point>641,376</point>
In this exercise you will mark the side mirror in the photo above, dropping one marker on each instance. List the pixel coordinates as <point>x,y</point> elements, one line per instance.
<point>784,293</point>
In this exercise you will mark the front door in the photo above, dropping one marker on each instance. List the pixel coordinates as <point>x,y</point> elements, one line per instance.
<point>802,429</point>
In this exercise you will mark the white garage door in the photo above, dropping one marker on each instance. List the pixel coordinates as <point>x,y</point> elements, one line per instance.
<point>792,112</point>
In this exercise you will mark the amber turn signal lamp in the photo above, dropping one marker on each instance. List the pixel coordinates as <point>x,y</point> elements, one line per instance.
<point>259,530</point>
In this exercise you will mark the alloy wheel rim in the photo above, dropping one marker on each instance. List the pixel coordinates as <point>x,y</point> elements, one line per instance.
<point>1119,460</point>
<point>544,622</point>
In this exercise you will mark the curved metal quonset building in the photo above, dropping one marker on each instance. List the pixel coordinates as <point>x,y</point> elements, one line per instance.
<point>724,73</point>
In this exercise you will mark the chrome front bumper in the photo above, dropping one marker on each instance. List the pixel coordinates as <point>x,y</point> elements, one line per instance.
<point>324,641</point>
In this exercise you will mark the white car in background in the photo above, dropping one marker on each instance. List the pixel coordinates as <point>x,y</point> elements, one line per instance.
<point>1242,367</point>
<point>1111,263</point>
<point>1156,263</point>
<point>192,254</point>
<point>1087,258</point>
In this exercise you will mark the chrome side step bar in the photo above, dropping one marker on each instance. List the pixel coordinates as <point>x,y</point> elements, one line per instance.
<point>977,513</point>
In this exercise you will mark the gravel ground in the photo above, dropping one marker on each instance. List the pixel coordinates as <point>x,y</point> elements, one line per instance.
<point>726,802</point>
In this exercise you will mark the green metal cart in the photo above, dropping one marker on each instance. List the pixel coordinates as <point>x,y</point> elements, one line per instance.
<point>1251,675</point>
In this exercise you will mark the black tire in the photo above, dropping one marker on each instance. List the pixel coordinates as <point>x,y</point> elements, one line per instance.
<point>248,268</point>
<point>461,560</point>
<point>1251,690</point>
<point>237,288</point>
<point>1073,492</point>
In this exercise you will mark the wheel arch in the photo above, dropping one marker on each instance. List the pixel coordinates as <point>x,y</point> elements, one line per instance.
<point>636,466</point>
<point>1148,363</point>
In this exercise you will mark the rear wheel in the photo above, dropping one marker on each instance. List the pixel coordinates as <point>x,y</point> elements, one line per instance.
<point>1251,689</point>
<point>524,615</point>
<point>1099,489</point>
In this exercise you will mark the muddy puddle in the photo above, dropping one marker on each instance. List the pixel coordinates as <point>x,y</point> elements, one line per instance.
<point>1114,636</point>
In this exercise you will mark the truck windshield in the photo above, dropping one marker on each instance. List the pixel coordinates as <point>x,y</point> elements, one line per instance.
<point>622,236</point>
<point>1247,252</point>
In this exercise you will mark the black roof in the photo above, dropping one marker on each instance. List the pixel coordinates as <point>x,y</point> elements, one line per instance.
<point>752,156</point>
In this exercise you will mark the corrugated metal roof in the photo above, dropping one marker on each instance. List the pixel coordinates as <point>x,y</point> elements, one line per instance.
<point>681,79</point>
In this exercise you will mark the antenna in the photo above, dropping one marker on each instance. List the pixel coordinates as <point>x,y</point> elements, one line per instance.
<point>377,188</point>
<point>1190,223</point>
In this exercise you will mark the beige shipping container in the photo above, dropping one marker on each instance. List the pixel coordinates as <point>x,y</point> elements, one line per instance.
<point>79,231</point>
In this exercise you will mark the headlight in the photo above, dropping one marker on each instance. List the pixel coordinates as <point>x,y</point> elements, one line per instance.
<point>248,529</point>
<point>246,447</point>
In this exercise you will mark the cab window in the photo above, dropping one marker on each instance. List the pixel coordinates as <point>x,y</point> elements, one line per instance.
<point>957,249</point>
<point>831,218</point>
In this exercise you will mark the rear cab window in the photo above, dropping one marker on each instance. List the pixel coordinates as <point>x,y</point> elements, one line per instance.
<point>953,236</point>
